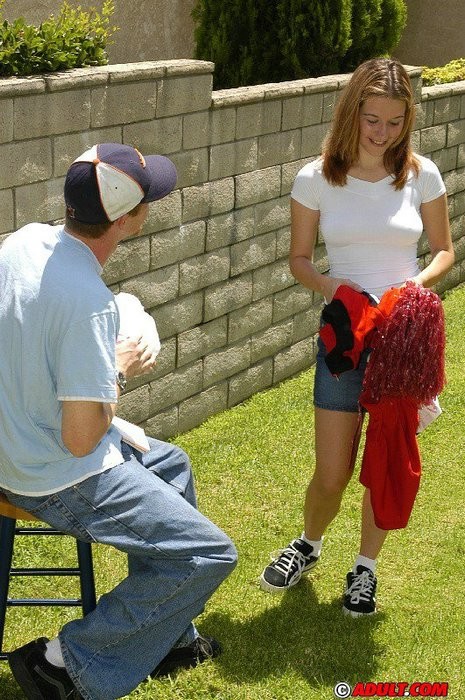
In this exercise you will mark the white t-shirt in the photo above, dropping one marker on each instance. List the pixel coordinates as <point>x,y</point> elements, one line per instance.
<point>370,230</point>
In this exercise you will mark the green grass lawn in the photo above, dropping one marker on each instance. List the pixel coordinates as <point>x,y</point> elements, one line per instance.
<point>252,465</point>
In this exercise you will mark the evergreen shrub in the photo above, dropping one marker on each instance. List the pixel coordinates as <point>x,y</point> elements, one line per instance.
<point>258,41</point>
<point>72,39</point>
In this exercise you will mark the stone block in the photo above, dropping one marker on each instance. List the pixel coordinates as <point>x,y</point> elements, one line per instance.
<point>302,111</point>
<point>290,301</point>
<point>179,315</point>
<point>207,199</point>
<point>258,186</point>
<point>134,405</point>
<point>272,215</point>
<point>272,278</point>
<point>192,166</point>
<point>155,136</point>
<point>166,360</point>
<point>164,425</point>
<point>227,229</point>
<point>154,288</point>
<point>306,323</point>
<point>196,130</point>
<point>204,270</point>
<point>201,340</point>
<point>433,138</point>
<point>289,172</point>
<point>175,387</point>
<point>446,109</point>
<point>131,258</point>
<point>455,181</point>
<point>233,158</point>
<point>225,363</point>
<point>312,140</point>
<point>41,201</point>
<point>294,359</point>
<point>25,162</point>
<point>222,125</point>
<point>456,133</point>
<point>51,114</point>
<point>169,247</point>
<point>461,156</point>
<point>271,341</point>
<point>193,411</point>
<point>164,213</point>
<point>6,120</point>
<point>274,149</point>
<point>181,95</point>
<point>445,159</point>
<point>258,118</point>
<point>68,147</point>
<point>283,242</point>
<point>329,103</point>
<point>227,296</point>
<point>253,253</point>
<point>250,319</point>
<point>122,104</point>
<point>7,217</point>
<point>250,382</point>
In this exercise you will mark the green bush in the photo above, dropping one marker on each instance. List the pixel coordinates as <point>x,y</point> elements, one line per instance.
<point>73,39</point>
<point>376,28</point>
<point>450,73</point>
<point>259,42</point>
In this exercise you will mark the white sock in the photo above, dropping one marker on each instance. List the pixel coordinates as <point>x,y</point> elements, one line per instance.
<point>316,544</point>
<point>53,653</point>
<point>367,563</point>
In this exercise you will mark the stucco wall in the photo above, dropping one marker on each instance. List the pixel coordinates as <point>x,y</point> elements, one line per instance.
<point>435,32</point>
<point>149,30</point>
<point>211,264</point>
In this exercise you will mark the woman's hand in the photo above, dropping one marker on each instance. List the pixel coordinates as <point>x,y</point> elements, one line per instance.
<point>332,283</point>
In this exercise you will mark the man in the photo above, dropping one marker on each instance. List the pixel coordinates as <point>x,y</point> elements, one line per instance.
<point>61,373</point>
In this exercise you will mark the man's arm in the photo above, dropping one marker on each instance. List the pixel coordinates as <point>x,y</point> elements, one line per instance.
<point>84,423</point>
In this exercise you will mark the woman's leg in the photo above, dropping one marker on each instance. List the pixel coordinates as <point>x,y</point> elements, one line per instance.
<point>336,443</point>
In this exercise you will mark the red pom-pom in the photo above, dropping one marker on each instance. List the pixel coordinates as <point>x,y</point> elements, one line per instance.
<point>407,359</point>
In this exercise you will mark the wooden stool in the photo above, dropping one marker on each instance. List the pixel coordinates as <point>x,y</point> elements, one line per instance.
<point>9,514</point>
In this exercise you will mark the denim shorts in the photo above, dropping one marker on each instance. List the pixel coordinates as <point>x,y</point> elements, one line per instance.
<point>337,393</point>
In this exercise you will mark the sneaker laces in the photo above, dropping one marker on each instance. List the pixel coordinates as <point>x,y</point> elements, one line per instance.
<point>287,559</point>
<point>361,588</point>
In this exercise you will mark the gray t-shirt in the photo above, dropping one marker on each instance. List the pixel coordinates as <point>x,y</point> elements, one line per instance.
<point>58,329</point>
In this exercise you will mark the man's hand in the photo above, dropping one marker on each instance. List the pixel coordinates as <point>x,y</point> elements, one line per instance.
<point>133,357</point>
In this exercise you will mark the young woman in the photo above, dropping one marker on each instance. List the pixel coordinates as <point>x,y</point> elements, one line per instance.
<point>371,197</point>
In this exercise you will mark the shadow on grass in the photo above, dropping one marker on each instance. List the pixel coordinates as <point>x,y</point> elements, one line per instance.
<point>312,639</point>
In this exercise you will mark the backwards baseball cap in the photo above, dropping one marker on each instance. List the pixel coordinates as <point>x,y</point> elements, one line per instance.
<point>110,179</point>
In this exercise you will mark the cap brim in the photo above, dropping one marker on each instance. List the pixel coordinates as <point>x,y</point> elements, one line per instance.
<point>163,177</point>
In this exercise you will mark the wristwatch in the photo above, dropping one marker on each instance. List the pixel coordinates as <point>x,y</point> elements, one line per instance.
<point>121,380</point>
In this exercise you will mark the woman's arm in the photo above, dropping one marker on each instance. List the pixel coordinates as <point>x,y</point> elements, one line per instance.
<point>304,232</point>
<point>435,219</point>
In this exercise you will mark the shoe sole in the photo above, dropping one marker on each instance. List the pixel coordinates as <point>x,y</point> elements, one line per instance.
<point>269,588</point>
<point>24,678</point>
<point>354,614</point>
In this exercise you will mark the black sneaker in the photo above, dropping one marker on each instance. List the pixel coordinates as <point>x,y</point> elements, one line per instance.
<point>288,566</point>
<point>38,679</point>
<point>201,649</point>
<point>360,592</point>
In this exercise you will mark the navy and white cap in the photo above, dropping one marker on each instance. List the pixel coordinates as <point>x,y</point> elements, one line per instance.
<point>110,179</point>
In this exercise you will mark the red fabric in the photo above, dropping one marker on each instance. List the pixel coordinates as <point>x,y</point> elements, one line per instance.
<point>391,466</point>
<point>350,318</point>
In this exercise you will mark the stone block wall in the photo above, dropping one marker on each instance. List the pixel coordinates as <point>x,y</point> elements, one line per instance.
<point>211,263</point>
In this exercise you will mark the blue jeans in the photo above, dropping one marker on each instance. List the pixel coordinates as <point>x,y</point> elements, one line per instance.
<point>177,558</point>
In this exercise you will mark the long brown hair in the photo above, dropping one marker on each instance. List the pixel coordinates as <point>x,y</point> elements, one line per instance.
<point>378,77</point>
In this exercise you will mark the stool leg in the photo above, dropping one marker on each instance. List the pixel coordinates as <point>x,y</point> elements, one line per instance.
<point>7,535</point>
<point>84,552</point>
